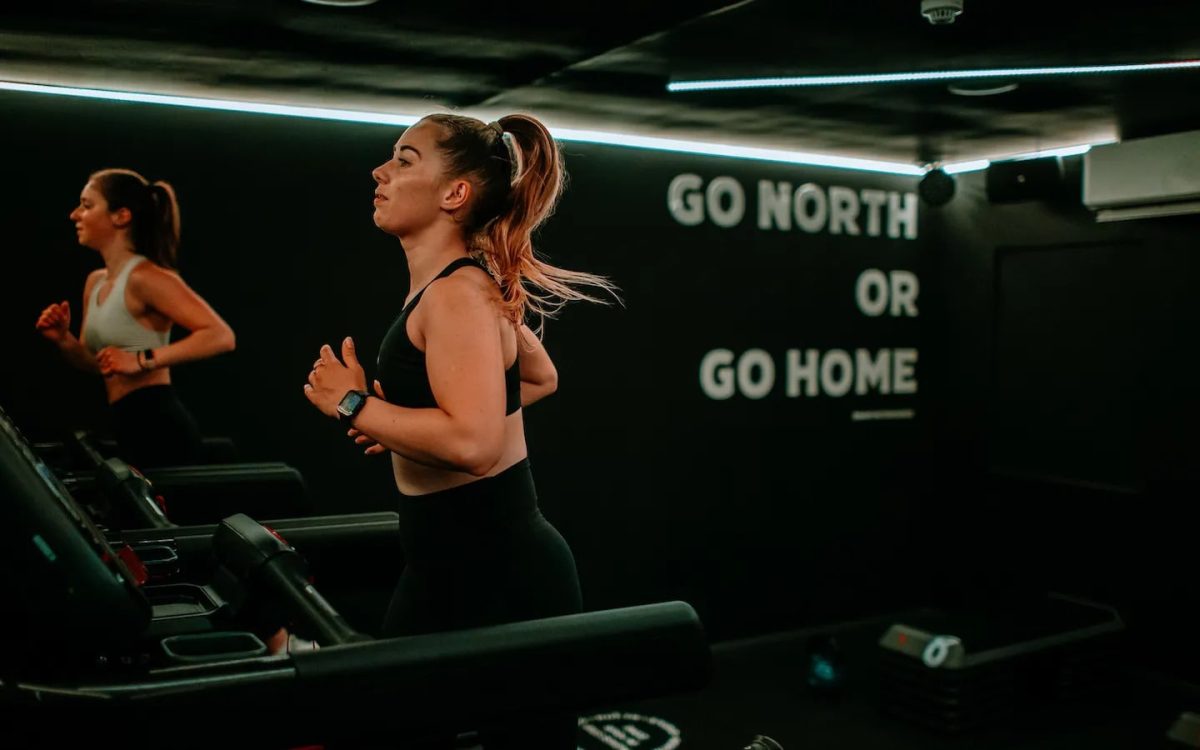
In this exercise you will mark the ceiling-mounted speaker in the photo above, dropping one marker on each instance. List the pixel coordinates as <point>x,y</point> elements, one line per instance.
<point>936,188</point>
<point>1037,179</point>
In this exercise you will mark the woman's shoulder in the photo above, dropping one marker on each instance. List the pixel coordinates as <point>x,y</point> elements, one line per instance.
<point>149,276</point>
<point>468,286</point>
<point>149,270</point>
<point>468,280</point>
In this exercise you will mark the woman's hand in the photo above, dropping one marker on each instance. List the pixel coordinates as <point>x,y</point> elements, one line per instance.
<point>330,380</point>
<point>114,361</point>
<point>55,322</point>
<point>373,448</point>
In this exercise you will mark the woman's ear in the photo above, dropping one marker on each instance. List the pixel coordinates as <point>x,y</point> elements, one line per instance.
<point>121,218</point>
<point>458,192</point>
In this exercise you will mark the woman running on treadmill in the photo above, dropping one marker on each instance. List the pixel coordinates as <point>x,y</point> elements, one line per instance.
<point>456,368</point>
<point>129,307</point>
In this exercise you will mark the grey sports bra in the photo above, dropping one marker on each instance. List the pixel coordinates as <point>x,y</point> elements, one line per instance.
<point>110,323</point>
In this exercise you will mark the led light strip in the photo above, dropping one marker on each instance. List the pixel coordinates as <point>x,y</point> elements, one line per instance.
<point>977,164</point>
<point>565,134</point>
<point>736,152</point>
<point>916,77</point>
<point>225,105</point>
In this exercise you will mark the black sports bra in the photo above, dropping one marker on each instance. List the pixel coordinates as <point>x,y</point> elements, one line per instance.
<point>401,365</point>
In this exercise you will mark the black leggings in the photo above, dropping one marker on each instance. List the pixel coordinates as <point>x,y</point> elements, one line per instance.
<point>154,428</point>
<point>483,554</point>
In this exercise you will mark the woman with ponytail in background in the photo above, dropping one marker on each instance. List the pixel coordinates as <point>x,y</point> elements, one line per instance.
<point>129,307</point>
<point>459,363</point>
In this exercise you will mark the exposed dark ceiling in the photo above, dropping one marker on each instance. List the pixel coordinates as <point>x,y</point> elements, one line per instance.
<point>605,66</point>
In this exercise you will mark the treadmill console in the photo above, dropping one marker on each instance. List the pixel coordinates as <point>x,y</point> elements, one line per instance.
<point>61,577</point>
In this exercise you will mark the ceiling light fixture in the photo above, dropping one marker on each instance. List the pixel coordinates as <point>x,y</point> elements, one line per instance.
<point>917,77</point>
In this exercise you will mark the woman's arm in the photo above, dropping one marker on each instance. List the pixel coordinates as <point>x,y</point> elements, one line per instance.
<point>72,349</point>
<point>464,361</point>
<point>539,377</point>
<point>78,355</point>
<point>167,294</point>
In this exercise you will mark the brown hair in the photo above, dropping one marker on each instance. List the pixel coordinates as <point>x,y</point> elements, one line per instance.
<point>154,228</point>
<point>518,180</point>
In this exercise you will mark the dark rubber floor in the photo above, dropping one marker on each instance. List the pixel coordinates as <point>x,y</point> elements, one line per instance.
<point>759,688</point>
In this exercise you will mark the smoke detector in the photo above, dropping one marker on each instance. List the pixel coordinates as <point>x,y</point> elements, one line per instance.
<point>940,12</point>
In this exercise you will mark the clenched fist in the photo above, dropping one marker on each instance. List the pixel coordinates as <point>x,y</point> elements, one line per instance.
<point>55,322</point>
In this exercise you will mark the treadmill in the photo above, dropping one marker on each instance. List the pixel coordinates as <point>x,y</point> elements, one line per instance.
<point>191,494</point>
<point>92,643</point>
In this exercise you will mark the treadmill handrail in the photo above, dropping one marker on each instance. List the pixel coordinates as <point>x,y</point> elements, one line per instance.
<point>459,678</point>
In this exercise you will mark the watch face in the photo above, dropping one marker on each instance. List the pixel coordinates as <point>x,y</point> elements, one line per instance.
<point>350,403</point>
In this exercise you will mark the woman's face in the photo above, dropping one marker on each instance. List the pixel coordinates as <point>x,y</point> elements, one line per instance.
<point>94,225</point>
<point>409,186</point>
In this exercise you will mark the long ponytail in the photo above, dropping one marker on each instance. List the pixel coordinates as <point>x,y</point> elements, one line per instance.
<point>518,174</point>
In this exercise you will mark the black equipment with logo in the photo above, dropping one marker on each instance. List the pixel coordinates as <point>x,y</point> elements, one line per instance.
<point>955,671</point>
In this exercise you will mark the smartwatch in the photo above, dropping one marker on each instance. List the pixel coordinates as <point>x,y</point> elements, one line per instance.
<point>351,404</point>
<point>146,359</point>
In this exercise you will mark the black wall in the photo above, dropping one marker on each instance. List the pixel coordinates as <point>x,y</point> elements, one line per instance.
<point>1070,408</point>
<point>763,512</point>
